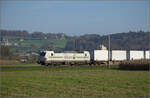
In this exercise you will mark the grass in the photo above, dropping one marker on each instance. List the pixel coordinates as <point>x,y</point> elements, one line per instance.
<point>19,65</point>
<point>39,43</point>
<point>28,45</point>
<point>15,63</point>
<point>74,82</point>
<point>9,62</point>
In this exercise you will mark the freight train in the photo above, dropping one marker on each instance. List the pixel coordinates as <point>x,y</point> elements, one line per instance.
<point>88,58</point>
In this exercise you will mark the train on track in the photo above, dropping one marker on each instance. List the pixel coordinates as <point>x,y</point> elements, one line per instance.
<point>90,58</point>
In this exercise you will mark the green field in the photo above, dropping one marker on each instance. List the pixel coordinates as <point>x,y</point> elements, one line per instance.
<point>32,45</point>
<point>20,65</point>
<point>73,82</point>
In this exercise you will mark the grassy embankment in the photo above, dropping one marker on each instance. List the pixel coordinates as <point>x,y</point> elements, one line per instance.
<point>14,63</point>
<point>8,62</point>
<point>73,82</point>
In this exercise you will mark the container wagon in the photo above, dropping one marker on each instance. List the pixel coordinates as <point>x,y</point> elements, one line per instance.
<point>136,55</point>
<point>100,56</point>
<point>118,55</point>
<point>147,55</point>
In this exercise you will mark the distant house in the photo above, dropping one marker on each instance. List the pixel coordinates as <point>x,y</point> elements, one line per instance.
<point>45,37</point>
<point>102,47</point>
<point>21,40</point>
<point>16,44</point>
<point>6,42</point>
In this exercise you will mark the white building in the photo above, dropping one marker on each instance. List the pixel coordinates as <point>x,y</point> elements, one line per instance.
<point>102,47</point>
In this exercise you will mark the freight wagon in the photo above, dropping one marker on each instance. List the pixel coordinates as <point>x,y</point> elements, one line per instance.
<point>136,55</point>
<point>118,55</point>
<point>114,55</point>
<point>102,56</point>
<point>147,54</point>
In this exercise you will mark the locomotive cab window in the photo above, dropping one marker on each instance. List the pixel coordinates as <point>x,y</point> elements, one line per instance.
<point>42,54</point>
<point>52,54</point>
<point>85,54</point>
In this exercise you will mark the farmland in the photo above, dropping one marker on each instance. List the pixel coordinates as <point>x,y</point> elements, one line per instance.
<point>33,45</point>
<point>73,82</point>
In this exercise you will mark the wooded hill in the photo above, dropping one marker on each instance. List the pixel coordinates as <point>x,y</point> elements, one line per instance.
<point>121,41</point>
<point>124,41</point>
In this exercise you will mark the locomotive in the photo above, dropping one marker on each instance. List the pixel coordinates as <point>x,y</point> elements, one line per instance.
<point>71,58</point>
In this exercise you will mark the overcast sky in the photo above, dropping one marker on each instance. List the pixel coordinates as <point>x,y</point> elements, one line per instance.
<point>75,17</point>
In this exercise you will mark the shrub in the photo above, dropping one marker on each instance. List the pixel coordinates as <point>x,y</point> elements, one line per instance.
<point>135,65</point>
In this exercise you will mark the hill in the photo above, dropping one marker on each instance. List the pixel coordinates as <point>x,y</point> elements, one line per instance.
<point>123,41</point>
<point>22,41</point>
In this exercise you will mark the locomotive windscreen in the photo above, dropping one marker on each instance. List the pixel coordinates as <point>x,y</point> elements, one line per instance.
<point>42,54</point>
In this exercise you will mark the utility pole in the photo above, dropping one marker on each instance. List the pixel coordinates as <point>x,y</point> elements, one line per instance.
<point>108,51</point>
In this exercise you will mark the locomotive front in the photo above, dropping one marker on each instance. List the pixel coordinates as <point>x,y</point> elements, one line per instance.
<point>42,58</point>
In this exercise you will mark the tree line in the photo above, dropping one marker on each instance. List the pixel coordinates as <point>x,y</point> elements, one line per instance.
<point>118,41</point>
<point>23,34</point>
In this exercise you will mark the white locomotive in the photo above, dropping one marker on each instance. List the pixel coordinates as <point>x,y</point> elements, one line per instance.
<point>71,58</point>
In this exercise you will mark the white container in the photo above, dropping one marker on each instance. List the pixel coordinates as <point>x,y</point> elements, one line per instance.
<point>136,55</point>
<point>118,55</point>
<point>147,54</point>
<point>101,55</point>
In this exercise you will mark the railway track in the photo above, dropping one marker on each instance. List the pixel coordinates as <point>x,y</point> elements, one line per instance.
<point>24,67</point>
<point>58,66</point>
